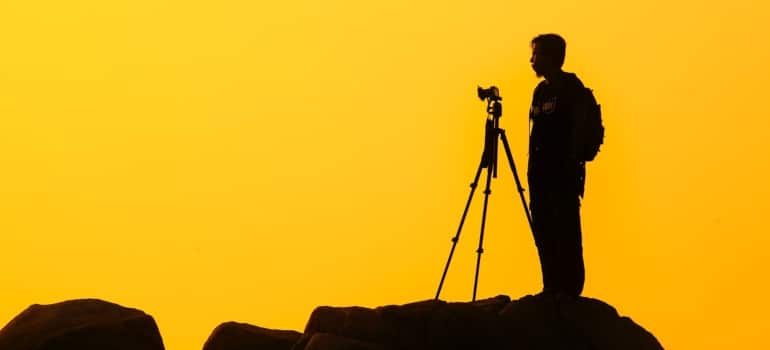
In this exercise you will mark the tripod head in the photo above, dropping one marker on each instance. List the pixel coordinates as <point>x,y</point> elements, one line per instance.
<point>494,111</point>
<point>493,98</point>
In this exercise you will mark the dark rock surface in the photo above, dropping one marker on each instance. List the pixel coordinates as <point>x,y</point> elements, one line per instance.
<point>556,322</point>
<point>326,341</point>
<point>242,336</point>
<point>532,322</point>
<point>421,325</point>
<point>540,322</point>
<point>85,324</point>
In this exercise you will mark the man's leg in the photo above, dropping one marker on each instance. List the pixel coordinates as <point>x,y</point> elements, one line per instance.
<point>569,250</point>
<point>543,223</point>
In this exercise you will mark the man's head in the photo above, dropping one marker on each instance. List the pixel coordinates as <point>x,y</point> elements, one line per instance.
<point>548,52</point>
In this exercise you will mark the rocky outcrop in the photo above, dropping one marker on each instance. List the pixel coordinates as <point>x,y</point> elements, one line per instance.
<point>242,336</point>
<point>533,322</point>
<point>326,341</point>
<point>558,322</point>
<point>540,322</point>
<point>86,324</point>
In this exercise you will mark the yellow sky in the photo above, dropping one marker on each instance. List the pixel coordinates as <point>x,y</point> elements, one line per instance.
<point>246,161</point>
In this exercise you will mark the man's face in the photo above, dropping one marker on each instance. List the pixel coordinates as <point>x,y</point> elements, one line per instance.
<point>541,63</point>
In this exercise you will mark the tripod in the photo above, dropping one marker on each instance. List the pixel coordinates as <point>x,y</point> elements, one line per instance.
<point>488,161</point>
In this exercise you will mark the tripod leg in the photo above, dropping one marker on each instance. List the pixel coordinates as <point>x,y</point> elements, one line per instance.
<point>456,238</point>
<point>516,178</point>
<point>480,251</point>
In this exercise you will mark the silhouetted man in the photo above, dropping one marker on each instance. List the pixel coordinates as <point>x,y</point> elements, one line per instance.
<point>555,175</point>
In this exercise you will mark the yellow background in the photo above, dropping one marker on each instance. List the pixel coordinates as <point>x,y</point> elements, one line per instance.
<point>248,161</point>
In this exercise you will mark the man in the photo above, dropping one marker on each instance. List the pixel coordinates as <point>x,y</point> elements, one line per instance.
<point>555,174</point>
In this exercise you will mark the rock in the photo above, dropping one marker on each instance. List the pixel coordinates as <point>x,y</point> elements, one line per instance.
<point>242,336</point>
<point>429,324</point>
<point>85,324</point>
<point>326,341</point>
<point>541,322</point>
<point>352,322</point>
<point>463,326</point>
<point>556,322</point>
<point>410,322</point>
<point>495,304</point>
<point>533,322</point>
<point>603,328</point>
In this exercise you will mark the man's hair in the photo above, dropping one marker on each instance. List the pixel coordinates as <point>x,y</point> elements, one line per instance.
<point>552,45</point>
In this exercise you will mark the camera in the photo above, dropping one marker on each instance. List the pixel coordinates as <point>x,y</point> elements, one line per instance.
<point>491,93</point>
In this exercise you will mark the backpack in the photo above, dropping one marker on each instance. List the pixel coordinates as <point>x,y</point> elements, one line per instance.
<point>588,128</point>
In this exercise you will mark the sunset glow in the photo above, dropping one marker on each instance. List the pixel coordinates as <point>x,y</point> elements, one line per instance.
<point>249,161</point>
